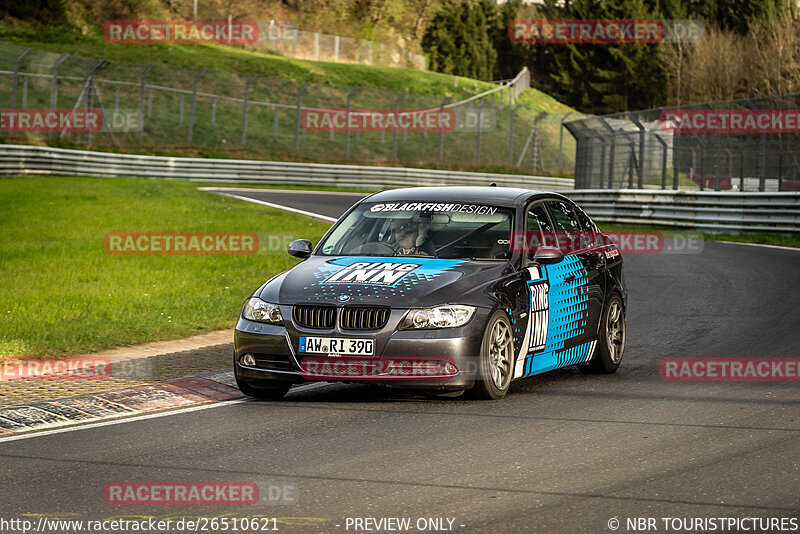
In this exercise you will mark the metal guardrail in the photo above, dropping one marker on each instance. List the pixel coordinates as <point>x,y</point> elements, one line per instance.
<point>706,211</point>
<point>24,159</point>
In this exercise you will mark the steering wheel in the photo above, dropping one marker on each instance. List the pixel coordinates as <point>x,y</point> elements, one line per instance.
<point>378,247</point>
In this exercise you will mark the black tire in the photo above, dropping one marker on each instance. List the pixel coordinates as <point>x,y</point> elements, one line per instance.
<point>611,343</point>
<point>496,361</point>
<point>263,389</point>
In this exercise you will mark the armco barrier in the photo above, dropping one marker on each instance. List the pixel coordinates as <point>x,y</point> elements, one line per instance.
<point>24,159</point>
<point>706,211</point>
<point>701,210</point>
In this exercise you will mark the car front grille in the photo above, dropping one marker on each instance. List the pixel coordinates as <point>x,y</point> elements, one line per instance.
<point>350,318</point>
<point>312,316</point>
<point>363,318</point>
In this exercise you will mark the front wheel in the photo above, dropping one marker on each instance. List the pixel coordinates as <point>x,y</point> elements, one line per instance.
<point>496,361</point>
<point>612,339</point>
<point>264,389</point>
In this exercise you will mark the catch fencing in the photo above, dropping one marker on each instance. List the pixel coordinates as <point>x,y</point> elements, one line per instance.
<point>219,113</point>
<point>660,149</point>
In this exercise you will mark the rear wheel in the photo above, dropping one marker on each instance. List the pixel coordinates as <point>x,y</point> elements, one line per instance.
<point>611,344</point>
<point>263,389</point>
<point>496,361</point>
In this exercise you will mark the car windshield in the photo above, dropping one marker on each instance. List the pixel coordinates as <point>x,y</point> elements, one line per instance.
<point>420,228</point>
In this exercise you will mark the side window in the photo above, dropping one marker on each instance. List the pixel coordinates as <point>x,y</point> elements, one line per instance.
<point>571,236</point>
<point>538,228</point>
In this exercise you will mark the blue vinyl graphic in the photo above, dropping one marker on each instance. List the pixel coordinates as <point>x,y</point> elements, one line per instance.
<point>558,313</point>
<point>378,276</point>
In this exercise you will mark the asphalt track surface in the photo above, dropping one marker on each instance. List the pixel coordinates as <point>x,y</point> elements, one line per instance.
<point>564,452</point>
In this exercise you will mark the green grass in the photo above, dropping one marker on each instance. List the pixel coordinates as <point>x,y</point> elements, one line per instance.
<point>62,293</point>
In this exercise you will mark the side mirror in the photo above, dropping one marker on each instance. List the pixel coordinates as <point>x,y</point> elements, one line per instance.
<point>300,248</point>
<point>548,255</point>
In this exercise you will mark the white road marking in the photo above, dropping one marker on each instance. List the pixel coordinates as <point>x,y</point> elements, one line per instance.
<point>292,191</point>
<point>280,207</point>
<point>119,421</point>
<point>756,245</point>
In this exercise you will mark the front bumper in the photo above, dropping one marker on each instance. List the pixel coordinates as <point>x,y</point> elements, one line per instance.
<point>275,349</point>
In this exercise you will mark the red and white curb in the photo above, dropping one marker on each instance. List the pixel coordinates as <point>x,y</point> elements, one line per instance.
<point>137,400</point>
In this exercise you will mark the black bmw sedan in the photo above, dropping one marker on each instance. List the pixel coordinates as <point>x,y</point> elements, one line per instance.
<point>439,288</point>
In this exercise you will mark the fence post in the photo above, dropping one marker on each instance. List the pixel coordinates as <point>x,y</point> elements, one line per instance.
<point>316,46</point>
<point>396,114</point>
<point>478,140</point>
<point>145,72</point>
<point>24,91</point>
<point>561,138</point>
<point>247,85</point>
<point>213,112</point>
<point>294,42</point>
<point>16,75</point>
<point>511,135</point>
<point>640,126</point>
<point>441,130</point>
<point>297,115</point>
<point>194,103</point>
<point>350,95</point>
<point>762,163</point>
<point>336,48</point>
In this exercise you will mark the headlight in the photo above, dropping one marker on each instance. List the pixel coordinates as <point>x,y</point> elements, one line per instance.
<point>449,316</point>
<point>256,309</point>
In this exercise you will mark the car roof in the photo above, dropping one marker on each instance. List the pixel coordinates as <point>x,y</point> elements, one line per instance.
<point>500,196</point>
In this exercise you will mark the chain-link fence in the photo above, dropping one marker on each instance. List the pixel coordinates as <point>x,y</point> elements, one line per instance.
<point>290,41</point>
<point>721,146</point>
<point>242,115</point>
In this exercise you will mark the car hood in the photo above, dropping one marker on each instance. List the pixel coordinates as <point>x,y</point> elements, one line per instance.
<point>399,282</point>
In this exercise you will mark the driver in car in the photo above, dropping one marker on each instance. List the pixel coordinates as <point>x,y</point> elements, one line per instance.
<point>406,235</point>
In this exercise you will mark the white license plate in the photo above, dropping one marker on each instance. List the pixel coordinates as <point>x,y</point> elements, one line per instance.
<point>337,345</point>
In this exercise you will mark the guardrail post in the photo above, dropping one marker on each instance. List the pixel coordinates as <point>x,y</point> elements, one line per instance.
<point>396,115</point>
<point>194,103</point>
<point>561,138</point>
<point>15,76</point>
<point>247,85</point>
<point>350,95</point>
<point>441,130</point>
<point>145,72</point>
<point>511,134</point>
<point>297,117</point>
<point>478,139</point>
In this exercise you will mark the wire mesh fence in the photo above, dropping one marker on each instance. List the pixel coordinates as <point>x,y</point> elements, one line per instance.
<point>163,107</point>
<point>739,145</point>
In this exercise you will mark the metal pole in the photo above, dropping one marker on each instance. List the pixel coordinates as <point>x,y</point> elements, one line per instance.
<point>511,135</point>
<point>561,138</point>
<point>396,114</point>
<point>54,87</point>
<point>16,75</point>
<point>641,128</point>
<point>146,70</point>
<point>297,114</point>
<point>762,163</point>
<point>350,95</point>
<point>478,139</point>
<point>441,130</point>
<point>194,103</point>
<point>86,86</point>
<point>247,85</point>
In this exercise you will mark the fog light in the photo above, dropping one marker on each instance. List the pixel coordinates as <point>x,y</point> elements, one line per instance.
<point>248,360</point>
<point>450,369</point>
